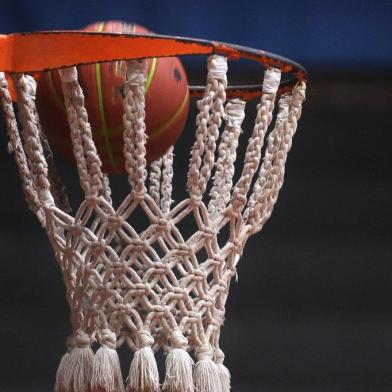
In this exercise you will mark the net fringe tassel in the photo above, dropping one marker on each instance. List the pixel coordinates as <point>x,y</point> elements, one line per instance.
<point>106,375</point>
<point>225,378</point>
<point>75,368</point>
<point>62,373</point>
<point>143,373</point>
<point>179,368</point>
<point>224,373</point>
<point>78,376</point>
<point>206,373</point>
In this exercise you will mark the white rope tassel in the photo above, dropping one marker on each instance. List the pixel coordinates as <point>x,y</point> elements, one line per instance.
<point>223,180</point>
<point>135,138</point>
<point>62,373</point>
<point>224,373</point>
<point>179,366</point>
<point>206,373</point>
<point>143,374</point>
<point>80,362</point>
<point>106,373</point>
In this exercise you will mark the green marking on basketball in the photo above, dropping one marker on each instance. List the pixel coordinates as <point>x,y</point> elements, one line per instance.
<point>157,131</point>
<point>150,75</point>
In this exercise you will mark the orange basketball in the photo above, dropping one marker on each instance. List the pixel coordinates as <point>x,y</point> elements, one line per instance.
<point>167,104</point>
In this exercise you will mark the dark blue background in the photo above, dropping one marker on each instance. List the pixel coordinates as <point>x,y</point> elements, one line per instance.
<point>355,34</point>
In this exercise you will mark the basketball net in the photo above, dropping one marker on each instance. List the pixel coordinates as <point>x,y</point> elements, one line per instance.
<point>153,290</point>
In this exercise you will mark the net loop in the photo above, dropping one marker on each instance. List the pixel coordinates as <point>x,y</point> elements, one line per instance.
<point>134,126</point>
<point>26,86</point>
<point>85,152</point>
<point>255,144</point>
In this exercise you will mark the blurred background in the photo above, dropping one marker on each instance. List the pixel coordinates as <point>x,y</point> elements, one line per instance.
<point>312,309</point>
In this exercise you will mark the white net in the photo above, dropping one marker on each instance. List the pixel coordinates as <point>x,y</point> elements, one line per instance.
<point>153,289</point>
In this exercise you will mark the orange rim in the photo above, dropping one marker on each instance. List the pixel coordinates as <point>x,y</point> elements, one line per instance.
<point>40,51</point>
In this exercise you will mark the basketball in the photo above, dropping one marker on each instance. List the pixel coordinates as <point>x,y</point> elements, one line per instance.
<point>166,104</point>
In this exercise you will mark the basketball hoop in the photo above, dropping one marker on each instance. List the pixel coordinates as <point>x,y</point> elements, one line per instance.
<point>152,290</point>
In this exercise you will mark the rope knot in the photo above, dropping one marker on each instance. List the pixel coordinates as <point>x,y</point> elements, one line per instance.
<point>143,289</point>
<point>145,339</point>
<point>115,221</point>
<point>98,247</point>
<point>162,225</point>
<point>108,338</point>
<point>82,339</point>
<point>183,250</point>
<point>195,200</point>
<point>138,196</point>
<point>204,353</point>
<point>216,261</point>
<point>178,340</point>
<point>209,232</point>
<point>138,245</point>
<point>271,81</point>
<point>91,201</point>
<point>232,213</point>
<point>217,68</point>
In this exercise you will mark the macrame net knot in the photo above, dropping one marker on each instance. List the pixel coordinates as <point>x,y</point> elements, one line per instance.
<point>144,339</point>
<point>114,222</point>
<point>178,340</point>
<point>162,225</point>
<point>82,339</point>
<point>107,338</point>
<point>138,195</point>
<point>205,353</point>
